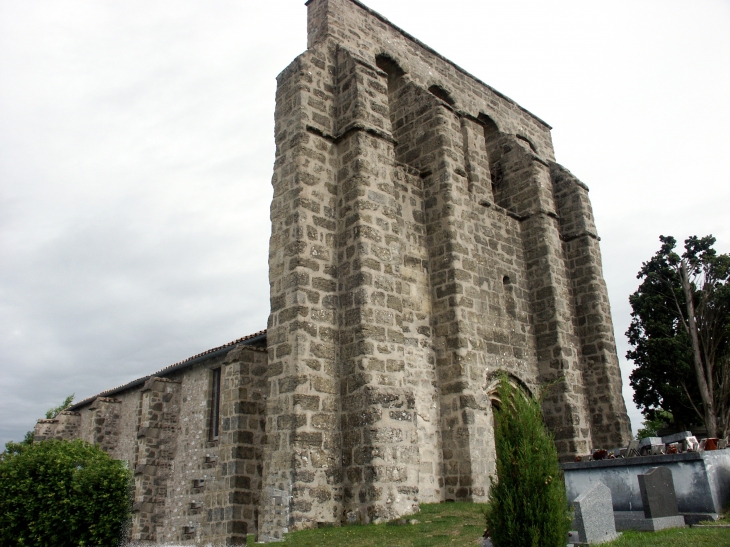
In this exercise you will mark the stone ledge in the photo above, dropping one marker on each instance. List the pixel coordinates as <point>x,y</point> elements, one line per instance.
<point>693,519</point>
<point>639,460</point>
<point>635,520</point>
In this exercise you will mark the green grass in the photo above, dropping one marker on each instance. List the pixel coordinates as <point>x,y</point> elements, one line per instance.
<point>680,537</point>
<point>439,524</point>
<point>463,524</point>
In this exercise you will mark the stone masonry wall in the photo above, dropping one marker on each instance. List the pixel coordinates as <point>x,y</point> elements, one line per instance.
<point>196,459</point>
<point>422,240</point>
<point>190,488</point>
<point>231,502</point>
<point>601,372</point>
<point>156,447</point>
<point>357,28</point>
<point>66,425</point>
<point>105,424</point>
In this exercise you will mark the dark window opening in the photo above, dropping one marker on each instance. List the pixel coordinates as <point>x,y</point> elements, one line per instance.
<point>215,406</point>
<point>497,175</point>
<point>510,304</point>
<point>442,94</point>
<point>490,127</point>
<point>491,134</point>
<point>391,67</point>
<point>396,88</point>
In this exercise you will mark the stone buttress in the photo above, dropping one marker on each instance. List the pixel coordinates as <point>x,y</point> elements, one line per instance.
<point>66,425</point>
<point>230,502</point>
<point>159,416</point>
<point>105,423</point>
<point>423,240</point>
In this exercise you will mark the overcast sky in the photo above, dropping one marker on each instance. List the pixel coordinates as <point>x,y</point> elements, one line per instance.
<point>136,151</point>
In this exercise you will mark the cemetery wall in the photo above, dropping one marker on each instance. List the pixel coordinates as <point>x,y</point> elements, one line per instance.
<point>701,479</point>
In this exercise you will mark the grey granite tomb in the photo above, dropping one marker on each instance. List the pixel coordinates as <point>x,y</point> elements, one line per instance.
<point>676,437</point>
<point>594,516</point>
<point>659,501</point>
<point>657,493</point>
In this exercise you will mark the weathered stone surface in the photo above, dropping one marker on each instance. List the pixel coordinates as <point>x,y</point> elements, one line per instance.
<point>681,436</point>
<point>64,426</point>
<point>423,239</point>
<point>594,515</point>
<point>157,437</point>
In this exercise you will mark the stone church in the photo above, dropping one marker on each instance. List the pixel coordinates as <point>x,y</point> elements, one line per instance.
<point>423,240</point>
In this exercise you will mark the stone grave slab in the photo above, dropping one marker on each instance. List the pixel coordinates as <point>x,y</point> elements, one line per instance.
<point>651,446</point>
<point>657,493</point>
<point>594,516</point>
<point>659,501</point>
<point>676,437</point>
<point>635,520</point>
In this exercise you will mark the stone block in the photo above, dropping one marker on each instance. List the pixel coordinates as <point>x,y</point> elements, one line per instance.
<point>657,493</point>
<point>635,520</point>
<point>676,437</point>
<point>594,515</point>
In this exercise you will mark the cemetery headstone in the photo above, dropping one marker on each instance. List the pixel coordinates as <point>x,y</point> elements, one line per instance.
<point>594,515</point>
<point>657,493</point>
<point>659,499</point>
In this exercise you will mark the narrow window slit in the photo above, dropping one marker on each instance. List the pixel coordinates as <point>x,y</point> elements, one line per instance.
<point>215,404</point>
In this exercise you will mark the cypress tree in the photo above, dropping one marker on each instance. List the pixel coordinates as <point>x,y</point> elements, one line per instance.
<point>527,501</point>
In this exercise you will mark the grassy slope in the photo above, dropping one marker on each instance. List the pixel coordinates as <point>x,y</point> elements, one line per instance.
<point>463,524</point>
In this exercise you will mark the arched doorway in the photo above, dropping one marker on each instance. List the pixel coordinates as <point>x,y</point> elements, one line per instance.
<point>495,404</point>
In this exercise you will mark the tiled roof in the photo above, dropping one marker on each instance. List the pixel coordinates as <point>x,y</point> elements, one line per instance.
<point>246,340</point>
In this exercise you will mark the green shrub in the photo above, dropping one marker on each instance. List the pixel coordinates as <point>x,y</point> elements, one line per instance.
<point>55,411</point>
<point>60,493</point>
<point>527,502</point>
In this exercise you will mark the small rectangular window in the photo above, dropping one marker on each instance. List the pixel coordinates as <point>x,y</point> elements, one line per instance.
<point>215,405</point>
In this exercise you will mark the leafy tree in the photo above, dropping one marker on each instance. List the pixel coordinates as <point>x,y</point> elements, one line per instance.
<point>12,448</point>
<point>527,502</point>
<point>680,333</point>
<point>52,413</point>
<point>653,425</point>
<point>63,494</point>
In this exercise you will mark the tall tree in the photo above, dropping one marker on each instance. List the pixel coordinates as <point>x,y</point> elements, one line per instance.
<point>680,333</point>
